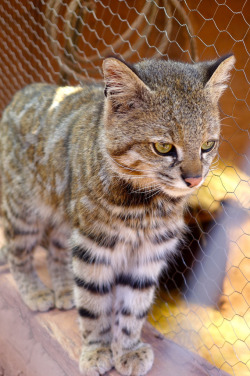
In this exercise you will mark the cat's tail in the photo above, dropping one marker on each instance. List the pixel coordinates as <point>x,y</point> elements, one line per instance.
<point>3,255</point>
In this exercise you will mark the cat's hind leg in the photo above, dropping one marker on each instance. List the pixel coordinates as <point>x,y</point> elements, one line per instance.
<point>23,233</point>
<point>59,265</point>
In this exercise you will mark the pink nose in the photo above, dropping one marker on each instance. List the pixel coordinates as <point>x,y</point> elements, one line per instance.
<point>193,182</point>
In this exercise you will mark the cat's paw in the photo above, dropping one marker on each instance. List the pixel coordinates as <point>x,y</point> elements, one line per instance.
<point>41,300</point>
<point>136,362</point>
<point>3,255</point>
<point>95,362</point>
<point>64,299</point>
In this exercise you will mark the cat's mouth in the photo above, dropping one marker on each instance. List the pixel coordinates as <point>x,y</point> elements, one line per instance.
<point>174,191</point>
<point>179,187</point>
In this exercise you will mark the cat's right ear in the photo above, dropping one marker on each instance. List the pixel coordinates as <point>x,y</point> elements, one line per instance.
<point>121,82</point>
<point>217,75</point>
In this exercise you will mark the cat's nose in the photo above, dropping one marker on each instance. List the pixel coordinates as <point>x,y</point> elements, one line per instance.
<point>192,181</point>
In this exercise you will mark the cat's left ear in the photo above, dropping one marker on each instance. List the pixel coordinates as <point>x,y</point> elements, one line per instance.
<point>217,75</point>
<point>121,82</point>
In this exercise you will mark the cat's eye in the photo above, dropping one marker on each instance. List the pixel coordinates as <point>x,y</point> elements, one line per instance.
<point>163,148</point>
<point>207,146</point>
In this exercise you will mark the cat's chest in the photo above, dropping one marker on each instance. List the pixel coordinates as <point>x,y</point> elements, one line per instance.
<point>146,240</point>
<point>128,235</point>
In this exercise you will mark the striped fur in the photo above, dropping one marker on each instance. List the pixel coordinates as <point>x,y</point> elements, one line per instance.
<point>79,176</point>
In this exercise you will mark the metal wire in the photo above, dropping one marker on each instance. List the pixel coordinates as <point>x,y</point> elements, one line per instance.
<point>74,20</point>
<point>204,299</point>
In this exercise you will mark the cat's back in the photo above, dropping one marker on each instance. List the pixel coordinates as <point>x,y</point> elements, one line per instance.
<point>39,117</point>
<point>25,106</point>
<point>37,105</point>
<point>36,135</point>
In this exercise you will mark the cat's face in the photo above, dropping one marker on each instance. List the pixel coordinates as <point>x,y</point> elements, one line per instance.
<point>162,132</point>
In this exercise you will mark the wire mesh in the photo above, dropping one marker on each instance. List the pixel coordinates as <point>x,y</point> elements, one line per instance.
<point>204,300</point>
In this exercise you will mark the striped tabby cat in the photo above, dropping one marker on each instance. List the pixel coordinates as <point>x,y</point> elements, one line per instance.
<point>104,177</point>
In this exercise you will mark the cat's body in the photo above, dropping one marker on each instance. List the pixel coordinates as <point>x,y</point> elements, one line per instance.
<point>96,177</point>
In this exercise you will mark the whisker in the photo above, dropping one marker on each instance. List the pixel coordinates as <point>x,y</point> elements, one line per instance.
<point>154,193</point>
<point>146,190</point>
<point>228,117</point>
<point>213,168</point>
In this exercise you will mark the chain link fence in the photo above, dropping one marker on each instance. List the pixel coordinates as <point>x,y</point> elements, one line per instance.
<point>203,303</point>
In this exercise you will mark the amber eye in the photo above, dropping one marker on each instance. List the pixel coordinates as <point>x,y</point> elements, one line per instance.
<point>207,146</point>
<point>163,148</point>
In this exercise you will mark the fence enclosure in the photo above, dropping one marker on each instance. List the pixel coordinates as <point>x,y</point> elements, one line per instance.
<point>204,300</point>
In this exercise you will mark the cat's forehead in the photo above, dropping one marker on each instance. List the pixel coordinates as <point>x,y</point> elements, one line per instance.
<point>179,104</point>
<point>181,119</point>
<point>177,88</point>
<point>180,132</point>
<point>169,75</point>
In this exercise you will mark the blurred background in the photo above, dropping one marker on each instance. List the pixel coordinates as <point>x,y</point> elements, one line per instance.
<point>204,297</point>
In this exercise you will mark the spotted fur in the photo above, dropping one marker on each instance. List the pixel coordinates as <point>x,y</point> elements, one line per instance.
<point>80,176</point>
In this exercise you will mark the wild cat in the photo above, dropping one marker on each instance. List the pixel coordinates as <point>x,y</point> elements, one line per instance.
<point>103,176</point>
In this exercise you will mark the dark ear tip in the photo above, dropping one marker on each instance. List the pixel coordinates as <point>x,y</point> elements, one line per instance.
<point>113,57</point>
<point>212,68</point>
<point>224,57</point>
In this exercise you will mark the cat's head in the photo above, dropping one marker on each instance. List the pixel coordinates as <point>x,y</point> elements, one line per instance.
<point>162,121</point>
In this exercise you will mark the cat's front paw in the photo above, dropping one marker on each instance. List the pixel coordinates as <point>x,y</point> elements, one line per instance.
<point>136,362</point>
<point>3,255</point>
<point>95,362</point>
<point>64,299</point>
<point>41,300</point>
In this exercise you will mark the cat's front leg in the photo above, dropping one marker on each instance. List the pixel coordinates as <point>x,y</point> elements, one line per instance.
<point>94,280</point>
<point>134,295</point>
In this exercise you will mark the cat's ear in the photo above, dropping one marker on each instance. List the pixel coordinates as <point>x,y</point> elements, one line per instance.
<point>217,75</point>
<point>121,81</point>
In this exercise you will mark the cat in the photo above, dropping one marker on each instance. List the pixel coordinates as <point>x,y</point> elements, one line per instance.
<point>100,176</point>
